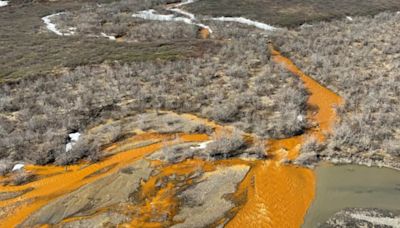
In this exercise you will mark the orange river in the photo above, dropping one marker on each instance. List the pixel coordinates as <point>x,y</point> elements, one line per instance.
<point>274,194</point>
<point>279,195</point>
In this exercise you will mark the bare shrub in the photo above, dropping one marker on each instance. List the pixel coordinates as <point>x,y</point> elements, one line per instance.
<point>22,177</point>
<point>257,150</point>
<point>359,64</point>
<point>5,166</point>
<point>226,145</point>
<point>229,85</point>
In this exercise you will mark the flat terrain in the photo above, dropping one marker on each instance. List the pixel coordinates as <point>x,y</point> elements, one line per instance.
<point>29,49</point>
<point>291,12</point>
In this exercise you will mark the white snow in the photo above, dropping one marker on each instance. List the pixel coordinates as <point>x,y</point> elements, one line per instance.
<point>349,18</point>
<point>52,27</point>
<point>246,21</point>
<point>107,36</point>
<point>74,138</point>
<point>185,13</point>
<point>3,3</point>
<point>153,15</point>
<point>185,3</point>
<point>18,166</point>
<point>392,222</point>
<point>201,146</point>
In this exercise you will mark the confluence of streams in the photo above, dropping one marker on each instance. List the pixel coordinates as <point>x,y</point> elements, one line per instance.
<point>277,195</point>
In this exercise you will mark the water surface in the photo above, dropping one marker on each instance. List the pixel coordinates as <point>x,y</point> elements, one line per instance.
<point>339,187</point>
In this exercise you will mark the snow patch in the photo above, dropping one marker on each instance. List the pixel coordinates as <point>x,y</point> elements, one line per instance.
<point>18,166</point>
<point>153,15</point>
<point>182,12</point>
<point>392,222</point>
<point>300,118</point>
<point>3,3</point>
<point>74,137</point>
<point>246,21</point>
<point>107,36</point>
<point>185,3</point>
<point>201,146</point>
<point>52,27</point>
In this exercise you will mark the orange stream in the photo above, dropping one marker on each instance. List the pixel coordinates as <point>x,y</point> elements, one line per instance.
<point>62,180</point>
<point>276,195</point>
<point>279,195</point>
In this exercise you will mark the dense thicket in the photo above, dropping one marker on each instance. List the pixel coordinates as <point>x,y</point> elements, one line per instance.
<point>116,19</point>
<point>358,59</point>
<point>236,86</point>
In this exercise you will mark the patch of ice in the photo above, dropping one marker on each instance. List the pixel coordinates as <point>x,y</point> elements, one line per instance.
<point>153,15</point>
<point>18,166</point>
<point>306,26</point>
<point>74,137</point>
<point>185,3</point>
<point>349,18</point>
<point>107,36</point>
<point>182,12</point>
<point>201,146</point>
<point>392,222</point>
<point>3,3</point>
<point>52,27</point>
<point>246,21</point>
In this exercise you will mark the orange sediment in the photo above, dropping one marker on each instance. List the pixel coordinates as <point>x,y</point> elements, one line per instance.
<point>60,181</point>
<point>320,97</point>
<point>279,195</point>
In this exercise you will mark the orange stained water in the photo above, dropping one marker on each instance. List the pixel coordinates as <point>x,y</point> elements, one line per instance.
<point>59,181</point>
<point>279,195</point>
<point>320,97</point>
<point>162,201</point>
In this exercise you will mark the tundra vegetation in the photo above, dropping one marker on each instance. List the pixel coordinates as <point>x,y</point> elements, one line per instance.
<point>164,66</point>
<point>361,63</point>
<point>28,49</point>
<point>291,13</point>
<point>233,83</point>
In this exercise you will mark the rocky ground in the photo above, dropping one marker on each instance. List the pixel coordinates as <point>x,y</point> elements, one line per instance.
<point>364,217</point>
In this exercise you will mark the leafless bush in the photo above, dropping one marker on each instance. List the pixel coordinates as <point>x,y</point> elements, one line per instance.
<point>200,129</point>
<point>226,145</point>
<point>5,166</point>
<point>39,112</point>
<point>360,64</point>
<point>22,177</point>
<point>116,19</point>
<point>257,150</point>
